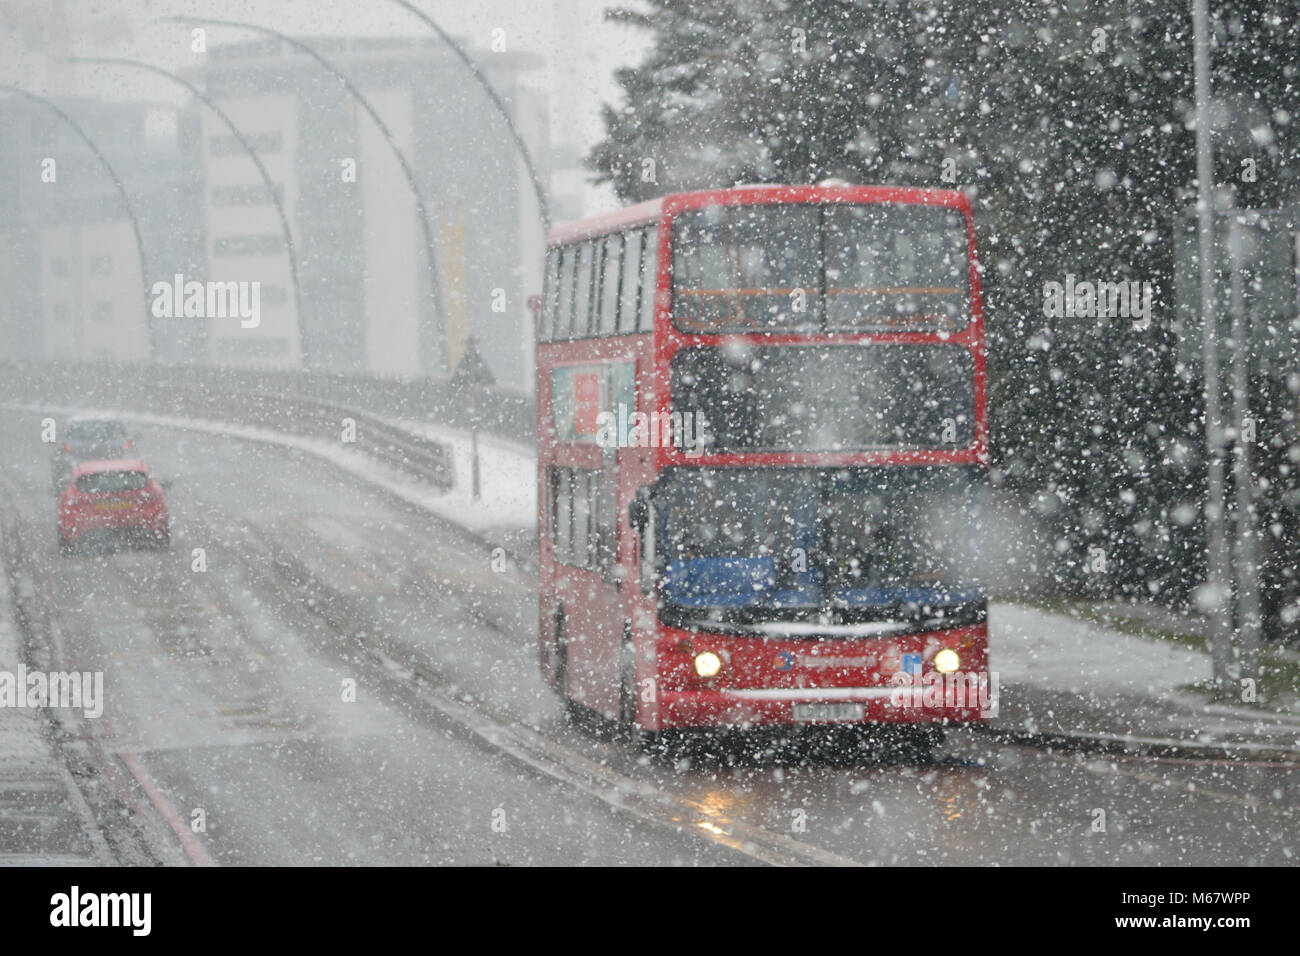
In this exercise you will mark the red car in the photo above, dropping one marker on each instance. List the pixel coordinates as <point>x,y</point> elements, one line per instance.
<point>110,499</point>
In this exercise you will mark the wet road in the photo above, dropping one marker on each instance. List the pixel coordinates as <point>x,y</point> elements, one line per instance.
<point>273,697</point>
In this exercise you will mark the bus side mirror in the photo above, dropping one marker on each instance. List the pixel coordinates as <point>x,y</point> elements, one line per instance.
<point>534,303</point>
<point>638,513</point>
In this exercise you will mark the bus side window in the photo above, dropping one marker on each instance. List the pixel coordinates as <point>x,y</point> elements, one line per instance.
<point>582,293</point>
<point>609,283</point>
<point>649,276</point>
<point>593,511</point>
<point>646,541</point>
<point>628,303</point>
<point>564,295</point>
<point>597,270</point>
<point>583,546</point>
<point>607,512</point>
<point>562,502</point>
<point>547,330</point>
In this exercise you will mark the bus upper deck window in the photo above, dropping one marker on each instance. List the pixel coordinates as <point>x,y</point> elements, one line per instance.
<point>563,327</point>
<point>550,296</point>
<point>642,517</point>
<point>649,274</point>
<point>582,291</point>
<point>628,302</point>
<point>609,283</point>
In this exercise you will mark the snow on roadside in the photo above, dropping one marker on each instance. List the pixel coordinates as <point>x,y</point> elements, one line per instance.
<point>507,474</point>
<point>1061,653</point>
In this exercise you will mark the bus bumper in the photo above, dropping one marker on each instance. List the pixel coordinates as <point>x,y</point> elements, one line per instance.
<point>804,707</point>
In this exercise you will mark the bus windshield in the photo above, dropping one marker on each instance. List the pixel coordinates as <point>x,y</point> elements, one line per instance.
<point>839,267</point>
<point>828,397</point>
<point>836,546</point>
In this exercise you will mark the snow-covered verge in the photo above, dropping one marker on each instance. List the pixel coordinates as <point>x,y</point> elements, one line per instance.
<point>507,504</point>
<point>1064,654</point>
<point>1068,678</point>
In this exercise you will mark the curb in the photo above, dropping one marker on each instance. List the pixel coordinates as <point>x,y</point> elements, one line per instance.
<point>1128,745</point>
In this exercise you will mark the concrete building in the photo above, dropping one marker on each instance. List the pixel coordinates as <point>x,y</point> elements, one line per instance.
<point>73,288</point>
<point>365,286</point>
<point>72,281</point>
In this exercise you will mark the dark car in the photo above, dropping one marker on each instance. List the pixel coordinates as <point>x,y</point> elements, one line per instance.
<point>88,439</point>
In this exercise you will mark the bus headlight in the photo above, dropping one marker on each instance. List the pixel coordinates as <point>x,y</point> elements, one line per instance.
<point>946,661</point>
<point>707,664</point>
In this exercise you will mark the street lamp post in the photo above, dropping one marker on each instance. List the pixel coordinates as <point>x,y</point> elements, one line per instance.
<point>1248,608</point>
<point>1217,558</point>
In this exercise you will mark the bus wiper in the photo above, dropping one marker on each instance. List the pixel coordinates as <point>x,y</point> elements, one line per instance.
<point>904,610</point>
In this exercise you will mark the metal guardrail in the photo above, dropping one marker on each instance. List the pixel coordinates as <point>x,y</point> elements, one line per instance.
<point>425,458</point>
<point>163,388</point>
<point>311,405</point>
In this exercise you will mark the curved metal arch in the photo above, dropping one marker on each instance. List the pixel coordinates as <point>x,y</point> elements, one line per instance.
<point>435,281</point>
<point>252,154</point>
<point>543,204</point>
<point>121,191</point>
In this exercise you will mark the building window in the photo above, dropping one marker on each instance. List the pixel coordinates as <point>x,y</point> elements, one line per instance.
<point>230,145</point>
<point>43,132</point>
<point>249,350</point>
<point>269,245</point>
<point>254,195</point>
<point>273,295</point>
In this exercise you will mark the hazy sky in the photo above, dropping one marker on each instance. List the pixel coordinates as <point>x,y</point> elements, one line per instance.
<point>581,49</point>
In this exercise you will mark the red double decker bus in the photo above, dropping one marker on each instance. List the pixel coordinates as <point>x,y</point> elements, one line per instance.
<point>761,441</point>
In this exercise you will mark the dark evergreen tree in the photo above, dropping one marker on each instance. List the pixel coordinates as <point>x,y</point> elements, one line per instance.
<point>1070,125</point>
